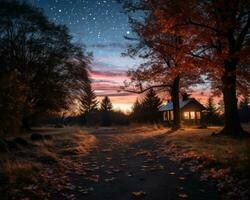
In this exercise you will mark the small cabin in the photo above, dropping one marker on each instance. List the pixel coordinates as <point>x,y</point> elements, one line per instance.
<point>190,111</point>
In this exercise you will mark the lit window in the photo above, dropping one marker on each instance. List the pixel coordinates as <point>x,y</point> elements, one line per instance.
<point>192,115</point>
<point>186,115</point>
<point>198,115</point>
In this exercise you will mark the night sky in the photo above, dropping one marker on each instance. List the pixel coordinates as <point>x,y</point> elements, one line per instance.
<point>101,26</point>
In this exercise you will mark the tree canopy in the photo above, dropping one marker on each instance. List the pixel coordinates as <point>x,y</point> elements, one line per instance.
<point>41,69</point>
<point>214,39</point>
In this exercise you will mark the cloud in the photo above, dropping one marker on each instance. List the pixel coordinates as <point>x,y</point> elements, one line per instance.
<point>112,73</point>
<point>118,94</point>
<point>109,45</point>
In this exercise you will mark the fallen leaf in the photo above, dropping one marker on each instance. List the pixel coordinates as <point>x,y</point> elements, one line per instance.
<point>184,196</point>
<point>138,194</point>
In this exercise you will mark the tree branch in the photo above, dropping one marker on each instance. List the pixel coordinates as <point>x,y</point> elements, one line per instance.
<point>146,89</point>
<point>243,34</point>
<point>201,25</point>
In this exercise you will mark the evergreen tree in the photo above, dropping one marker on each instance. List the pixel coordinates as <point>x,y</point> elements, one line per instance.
<point>150,105</point>
<point>244,110</point>
<point>148,109</point>
<point>106,104</point>
<point>88,100</point>
<point>211,116</point>
<point>106,111</point>
<point>137,111</point>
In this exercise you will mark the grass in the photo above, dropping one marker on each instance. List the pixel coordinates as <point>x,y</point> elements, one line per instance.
<point>21,169</point>
<point>224,159</point>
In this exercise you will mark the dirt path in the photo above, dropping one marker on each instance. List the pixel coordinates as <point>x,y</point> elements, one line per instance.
<point>126,166</point>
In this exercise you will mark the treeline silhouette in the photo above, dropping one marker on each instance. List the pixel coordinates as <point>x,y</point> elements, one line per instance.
<point>143,111</point>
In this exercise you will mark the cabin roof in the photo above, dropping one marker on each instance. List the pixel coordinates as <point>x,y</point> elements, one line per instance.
<point>169,106</point>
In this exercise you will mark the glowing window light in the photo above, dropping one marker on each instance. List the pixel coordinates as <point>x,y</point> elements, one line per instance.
<point>186,115</point>
<point>192,115</point>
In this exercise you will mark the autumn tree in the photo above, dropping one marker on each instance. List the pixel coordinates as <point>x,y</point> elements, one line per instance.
<point>41,70</point>
<point>167,65</point>
<point>218,32</point>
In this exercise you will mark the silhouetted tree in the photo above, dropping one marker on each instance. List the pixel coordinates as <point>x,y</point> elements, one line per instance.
<point>150,105</point>
<point>148,109</point>
<point>211,116</point>
<point>244,110</point>
<point>106,104</point>
<point>137,111</point>
<point>41,70</point>
<point>106,109</point>
<point>88,101</point>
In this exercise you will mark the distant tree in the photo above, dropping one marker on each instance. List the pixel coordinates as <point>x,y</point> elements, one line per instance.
<point>244,110</point>
<point>148,109</point>
<point>106,104</point>
<point>41,70</point>
<point>106,111</point>
<point>137,111</point>
<point>211,116</point>
<point>88,101</point>
<point>150,106</point>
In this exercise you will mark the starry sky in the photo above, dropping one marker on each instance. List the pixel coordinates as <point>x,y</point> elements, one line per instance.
<point>101,26</point>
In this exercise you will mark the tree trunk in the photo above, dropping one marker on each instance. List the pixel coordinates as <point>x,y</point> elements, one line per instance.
<point>176,102</point>
<point>232,119</point>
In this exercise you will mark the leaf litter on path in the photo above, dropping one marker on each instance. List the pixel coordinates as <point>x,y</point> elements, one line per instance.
<point>138,195</point>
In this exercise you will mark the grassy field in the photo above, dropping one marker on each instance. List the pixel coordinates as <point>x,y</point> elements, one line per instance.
<point>225,151</point>
<point>30,168</point>
<point>26,169</point>
<point>223,159</point>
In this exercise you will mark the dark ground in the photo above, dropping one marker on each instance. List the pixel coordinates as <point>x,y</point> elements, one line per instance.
<point>115,168</point>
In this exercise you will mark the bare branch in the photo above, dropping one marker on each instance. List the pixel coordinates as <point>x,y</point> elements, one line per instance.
<point>146,89</point>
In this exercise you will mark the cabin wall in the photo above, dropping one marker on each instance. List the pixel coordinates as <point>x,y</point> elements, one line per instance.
<point>190,113</point>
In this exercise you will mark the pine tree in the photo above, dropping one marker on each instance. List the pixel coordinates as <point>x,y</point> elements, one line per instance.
<point>88,100</point>
<point>106,104</point>
<point>150,106</point>
<point>211,114</point>
<point>137,111</point>
<point>106,111</point>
